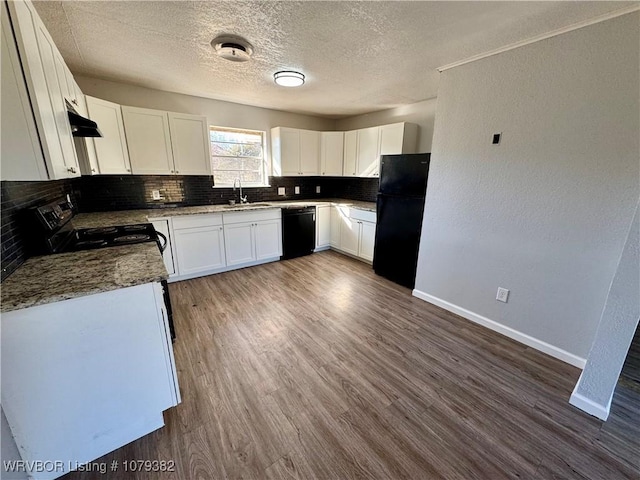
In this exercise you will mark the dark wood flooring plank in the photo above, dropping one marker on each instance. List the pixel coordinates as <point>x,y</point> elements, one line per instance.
<point>317,368</point>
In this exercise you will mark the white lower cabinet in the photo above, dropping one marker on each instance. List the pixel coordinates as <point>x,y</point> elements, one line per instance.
<point>198,244</point>
<point>367,240</point>
<point>323,226</point>
<point>268,239</point>
<point>239,243</point>
<point>65,396</point>
<point>214,243</point>
<point>253,236</point>
<point>349,235</point>
<point>353,231</point>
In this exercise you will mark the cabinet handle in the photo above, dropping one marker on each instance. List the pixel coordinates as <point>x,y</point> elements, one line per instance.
<point>128,169</point>
<point>71,170</point>
<point>93,169</point>
<point>74,101</point>
<point>172,171</point>
<point>220,228</point>
<point>177,171</point>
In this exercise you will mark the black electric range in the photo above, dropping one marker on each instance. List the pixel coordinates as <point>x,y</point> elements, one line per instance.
<point>50,230</point>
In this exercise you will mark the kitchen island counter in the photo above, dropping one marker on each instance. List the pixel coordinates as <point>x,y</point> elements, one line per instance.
<point>52,278</point>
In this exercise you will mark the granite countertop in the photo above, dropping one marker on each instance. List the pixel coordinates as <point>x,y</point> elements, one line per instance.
<point>52,278</point>
<point>128,217</point>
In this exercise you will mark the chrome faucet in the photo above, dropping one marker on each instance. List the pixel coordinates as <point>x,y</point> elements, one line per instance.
<point>243,199</point>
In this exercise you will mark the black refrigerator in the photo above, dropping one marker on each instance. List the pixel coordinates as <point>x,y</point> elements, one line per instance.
<point>400,206</point>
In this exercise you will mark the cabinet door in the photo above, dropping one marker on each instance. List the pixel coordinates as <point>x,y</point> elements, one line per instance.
<point>111,149</point>
<point>149,141</point>
<point>290,152</point>
<point>367,240</point>
<point>162,226</point>
<point>331,153</point>
<point>350,167</point>
<point>199,249</point>
<point>368,158</point>
<point>239,244</point>
<point>336,220</point>
<point>268,239</point>
<point>391,139</point>
<point>21,154</point>
<point>323,226</point>
<point>190,144</point>
<point>309,152</point>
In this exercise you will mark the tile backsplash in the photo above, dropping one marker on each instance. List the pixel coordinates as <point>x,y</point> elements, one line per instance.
<point>113,192</point>
<point>135,191</point>
<point>16,198</point>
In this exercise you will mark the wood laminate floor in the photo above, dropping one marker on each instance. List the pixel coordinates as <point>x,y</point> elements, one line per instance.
<point>317,368</point>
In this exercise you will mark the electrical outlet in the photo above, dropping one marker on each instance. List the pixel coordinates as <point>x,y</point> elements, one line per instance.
<point>155,194</point>
<point>318,189</point>
<point>296,190</point>
<point>281,191</point>
<point>502,295</point>
<point>496,138</point>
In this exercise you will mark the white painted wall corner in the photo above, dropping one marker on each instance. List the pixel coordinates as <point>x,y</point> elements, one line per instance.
<point>589,406</point>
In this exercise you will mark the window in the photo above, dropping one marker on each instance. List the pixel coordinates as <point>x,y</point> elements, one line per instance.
<point>237,154</point>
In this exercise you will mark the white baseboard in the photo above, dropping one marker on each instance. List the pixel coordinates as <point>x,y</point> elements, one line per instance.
<point>528,340</point>
<point>587,405</point>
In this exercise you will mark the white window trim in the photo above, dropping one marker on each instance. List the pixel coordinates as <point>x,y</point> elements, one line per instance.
<point>266,157</point>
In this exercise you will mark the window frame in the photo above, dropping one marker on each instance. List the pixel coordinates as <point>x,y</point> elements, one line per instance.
<point>265,158</point>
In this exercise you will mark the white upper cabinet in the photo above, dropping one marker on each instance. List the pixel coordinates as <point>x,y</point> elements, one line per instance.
<point>368,153</point>
<point>309,152</point>
<point>331,153</point>
<point>398,138</point>
<point>45,77</point>
<point>363,148</point>
<point>17,126</point>
<point>166,143</point>
<point>294,152</point>
<point>350,167</point>
<point>149,141</point>
<point>190,143</point>
<point>110,150</point>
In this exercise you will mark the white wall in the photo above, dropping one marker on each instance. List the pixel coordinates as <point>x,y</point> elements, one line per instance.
<point>546,213</point>
<point>423,113</point>
<point>594,390</point>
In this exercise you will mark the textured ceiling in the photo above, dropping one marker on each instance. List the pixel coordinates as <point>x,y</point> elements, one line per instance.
<point>358,56</point>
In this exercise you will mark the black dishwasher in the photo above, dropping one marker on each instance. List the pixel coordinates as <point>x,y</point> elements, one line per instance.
<point>298,231</point>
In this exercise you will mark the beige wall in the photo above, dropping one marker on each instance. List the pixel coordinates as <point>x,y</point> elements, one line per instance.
<point>422,113</point>
<point>547,211</point>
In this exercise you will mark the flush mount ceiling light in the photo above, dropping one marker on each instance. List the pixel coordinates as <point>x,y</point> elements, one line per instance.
<point>288,78</point>
<point>232,47</point>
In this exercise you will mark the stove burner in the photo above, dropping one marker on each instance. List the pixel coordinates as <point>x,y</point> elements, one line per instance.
<point>134,228</point>
<point>100,231</point>
<point>90,244</point>
<point>136,237</point>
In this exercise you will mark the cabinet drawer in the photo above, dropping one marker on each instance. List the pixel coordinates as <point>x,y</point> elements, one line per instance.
<point>252,216</point>
<point>364,215</point>
<point>194,221</point>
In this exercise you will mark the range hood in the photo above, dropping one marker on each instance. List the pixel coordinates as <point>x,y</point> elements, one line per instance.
<point>81,126</point>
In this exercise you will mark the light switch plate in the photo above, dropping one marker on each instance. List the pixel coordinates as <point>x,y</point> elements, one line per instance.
<point>281,191</point>
<point>318,189</point>
<point>296,190</point>
<point>155,194</point>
